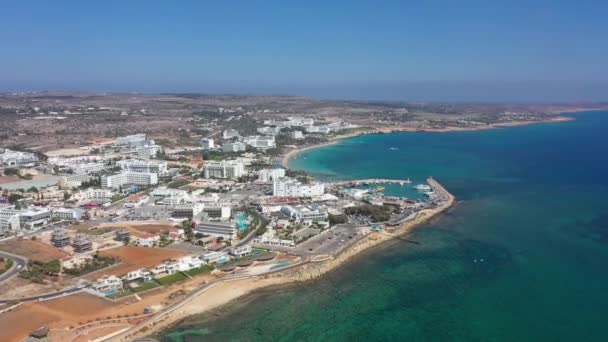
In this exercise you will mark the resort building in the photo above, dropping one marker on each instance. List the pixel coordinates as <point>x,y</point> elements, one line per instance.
<point>218,229</point>
<point>145,166</point>
<point>305,214</point>
<point>225,169</point>
<point>269,130</point>
<point>288,187</point>
<point>129,178</point>
<point>260,142</point>
<point>234,147</point>
<point>267,175</point>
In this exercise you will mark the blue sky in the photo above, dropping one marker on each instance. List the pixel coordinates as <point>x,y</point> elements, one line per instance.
<point>402,50</point>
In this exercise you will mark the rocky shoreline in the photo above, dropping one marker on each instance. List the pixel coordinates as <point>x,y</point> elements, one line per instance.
<point>226,292</point>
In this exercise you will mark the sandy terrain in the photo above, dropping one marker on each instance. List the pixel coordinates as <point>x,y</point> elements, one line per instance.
<point>9,179</point>
<point>133,258</point>
<point>34,250</point>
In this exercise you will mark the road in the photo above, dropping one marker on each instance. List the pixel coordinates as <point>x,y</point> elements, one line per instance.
<point>173,307</point>
<point>19,263</point>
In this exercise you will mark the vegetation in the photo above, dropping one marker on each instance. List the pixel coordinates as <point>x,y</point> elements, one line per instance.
<point>200,270</point>
<point>188,227</point>
<point>377,213</point>
<point>170,279</point>
<point>37,270</point>
<point>178,183</point>
<point>337,219</point>
<point>12,198</point>
<point>118,197</point>
<point>8,263</point>
<point>146,286</point>
<point>11,171</point>
<point>98,262</point>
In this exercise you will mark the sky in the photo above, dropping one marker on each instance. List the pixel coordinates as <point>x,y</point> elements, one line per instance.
<point>381,50</point>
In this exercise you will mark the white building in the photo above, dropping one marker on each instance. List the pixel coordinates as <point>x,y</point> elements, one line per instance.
<point>96,194</point>
<point>260,142</point>
<point>141,273</point>
<point>219,229</point>
<point>207,144</point>
<point>213,257</point>
<point>225,169</point>
<point>15,158</point>
<point>230,134</point>
<point>241,251</point>
<point>288,187</point>
<point>68,214</point>
<point>76,180</point>
<point>236,146</point>
<point>151,166</point>
<point>132,141</point>
<point>296,135</point>
<point>305,214</point>
<point>148,151</point>
<point>107,283</point>
<point>267,175</point>
<point>269,130</point>
<point>220,211</point>
<point>129,178</point>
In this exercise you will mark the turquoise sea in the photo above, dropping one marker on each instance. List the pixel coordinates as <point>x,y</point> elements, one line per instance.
<point>523,256</point>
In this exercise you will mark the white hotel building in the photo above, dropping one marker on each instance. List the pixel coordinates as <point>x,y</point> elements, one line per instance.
<point>288,187</point>
<point>225,169</point>
<point>128,177</point>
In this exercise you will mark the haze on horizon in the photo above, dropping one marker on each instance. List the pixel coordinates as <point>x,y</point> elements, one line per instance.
<point>544,51</point>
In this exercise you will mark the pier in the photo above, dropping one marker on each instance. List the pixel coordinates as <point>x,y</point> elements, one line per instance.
<point>372,181</point>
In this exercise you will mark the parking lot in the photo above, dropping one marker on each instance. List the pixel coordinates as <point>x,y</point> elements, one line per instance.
<point>332,240</point>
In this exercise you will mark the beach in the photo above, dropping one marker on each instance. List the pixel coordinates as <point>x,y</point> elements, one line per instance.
<point>225,292</point>
<point>395,129</point>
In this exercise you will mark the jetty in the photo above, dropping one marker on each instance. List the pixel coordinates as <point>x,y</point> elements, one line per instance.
<point>372,181</point>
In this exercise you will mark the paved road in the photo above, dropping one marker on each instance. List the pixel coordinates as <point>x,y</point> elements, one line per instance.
<point>43,296</point>
<point>19,263</point>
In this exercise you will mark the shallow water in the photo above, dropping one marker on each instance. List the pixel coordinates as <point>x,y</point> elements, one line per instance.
<point>521,257</point>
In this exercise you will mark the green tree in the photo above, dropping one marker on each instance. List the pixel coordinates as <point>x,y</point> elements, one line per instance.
<point>12,198</point>
<point>188,229</point>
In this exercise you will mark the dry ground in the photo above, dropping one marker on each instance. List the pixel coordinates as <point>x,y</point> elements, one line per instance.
<point>33,250</point>
<point>134,258</point>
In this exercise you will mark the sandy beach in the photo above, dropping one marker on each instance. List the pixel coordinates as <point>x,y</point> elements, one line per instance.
<point>225,292</point>
<point>383,130</point>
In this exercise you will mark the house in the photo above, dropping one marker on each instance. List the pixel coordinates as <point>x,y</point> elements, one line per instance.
<point>107,283</point>
<point>141,273</point>
<point>148,240</point>
<point>241,251</point>
<point>215,257</point>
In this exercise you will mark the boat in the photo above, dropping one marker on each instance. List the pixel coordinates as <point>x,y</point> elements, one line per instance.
<point>393,148</point>
<point>380,188</point>
<point>423,187</point>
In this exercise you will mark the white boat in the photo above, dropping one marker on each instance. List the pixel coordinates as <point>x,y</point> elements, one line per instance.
<point>423,187</point>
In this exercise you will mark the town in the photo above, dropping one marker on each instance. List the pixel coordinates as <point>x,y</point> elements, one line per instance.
<point>114,222</point>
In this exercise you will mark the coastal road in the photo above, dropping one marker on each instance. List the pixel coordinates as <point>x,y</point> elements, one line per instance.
<point>175,306</point>
<point>43,296</point>
<point>19,263</point>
